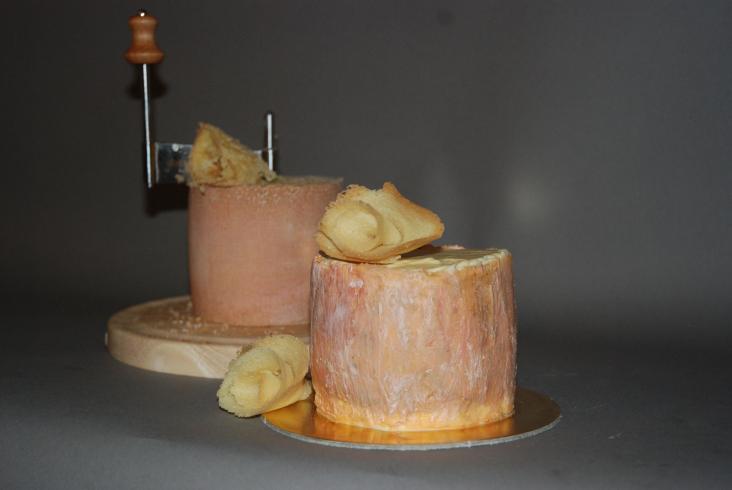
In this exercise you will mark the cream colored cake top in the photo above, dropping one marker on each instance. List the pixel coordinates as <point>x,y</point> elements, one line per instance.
<point>434,259</point>
<point>303,180</point>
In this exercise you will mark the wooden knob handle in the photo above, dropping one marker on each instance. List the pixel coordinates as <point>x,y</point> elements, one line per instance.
<point>143,50</point>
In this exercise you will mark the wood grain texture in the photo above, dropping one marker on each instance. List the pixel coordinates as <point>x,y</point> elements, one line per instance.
<point>143,50</point>
<point>164,336</point>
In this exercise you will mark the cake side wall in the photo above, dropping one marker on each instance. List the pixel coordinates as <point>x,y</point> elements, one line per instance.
<point>250,251</point>
<point>400,349</point>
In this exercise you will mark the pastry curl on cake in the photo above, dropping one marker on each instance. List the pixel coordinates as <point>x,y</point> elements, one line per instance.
<point>376,226</point>
<point>268,375</point>
<point>219,159</point>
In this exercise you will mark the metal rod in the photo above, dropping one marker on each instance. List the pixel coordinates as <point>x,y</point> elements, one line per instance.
<point>269,143</point>
<point>150,169</point>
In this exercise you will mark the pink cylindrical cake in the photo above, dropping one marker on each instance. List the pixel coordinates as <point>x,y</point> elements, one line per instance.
<point>251,249</point>
<point>425,343</point>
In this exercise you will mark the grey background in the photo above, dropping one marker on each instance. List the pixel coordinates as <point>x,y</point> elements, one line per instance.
<point>590,138</point>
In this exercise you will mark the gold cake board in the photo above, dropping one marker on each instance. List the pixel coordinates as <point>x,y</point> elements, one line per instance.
<point>166,337</point>
<point>534,414</point>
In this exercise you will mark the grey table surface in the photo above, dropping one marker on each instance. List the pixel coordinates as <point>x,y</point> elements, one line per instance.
<point>644,412</point>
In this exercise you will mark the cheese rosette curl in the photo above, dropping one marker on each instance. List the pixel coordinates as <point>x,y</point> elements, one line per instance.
<point>221,160</point>
<point>376,226</point>
<point>268,375</point>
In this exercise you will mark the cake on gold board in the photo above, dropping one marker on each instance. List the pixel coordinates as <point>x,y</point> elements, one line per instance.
<point>423,341</point>
<point>410,349</point>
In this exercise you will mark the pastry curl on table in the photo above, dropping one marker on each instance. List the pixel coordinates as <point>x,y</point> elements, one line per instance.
<point>267,376</point>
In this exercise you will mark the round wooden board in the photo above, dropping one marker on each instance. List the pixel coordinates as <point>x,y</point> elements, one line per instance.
<point>164,336</point>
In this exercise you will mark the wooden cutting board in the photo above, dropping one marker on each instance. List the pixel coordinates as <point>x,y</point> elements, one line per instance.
<point>166,337</point>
